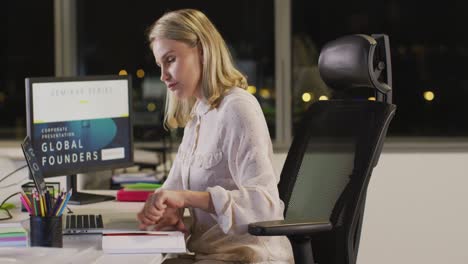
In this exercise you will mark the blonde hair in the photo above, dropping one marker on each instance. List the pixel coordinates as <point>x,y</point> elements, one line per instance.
<point>218,74</point>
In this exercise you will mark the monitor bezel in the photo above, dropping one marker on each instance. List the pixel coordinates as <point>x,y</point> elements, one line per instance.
<point>29,81</point>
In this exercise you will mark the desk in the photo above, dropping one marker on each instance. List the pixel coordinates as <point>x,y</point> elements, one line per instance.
<point>87,248</point>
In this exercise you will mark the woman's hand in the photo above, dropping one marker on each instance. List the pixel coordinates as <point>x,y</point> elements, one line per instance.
<point>149,214</point>
<point>156,205</point>
<point>172,220</point>
<point>167,198</point>
<point>161,200</point>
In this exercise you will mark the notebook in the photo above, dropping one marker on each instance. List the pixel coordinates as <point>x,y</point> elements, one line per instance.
<point>143,242</point>
<point>13,235</point>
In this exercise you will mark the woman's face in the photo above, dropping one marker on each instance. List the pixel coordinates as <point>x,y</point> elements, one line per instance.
<point>180,66</point>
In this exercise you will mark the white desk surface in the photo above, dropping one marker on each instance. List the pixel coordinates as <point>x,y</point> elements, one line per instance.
<point>83,248</point>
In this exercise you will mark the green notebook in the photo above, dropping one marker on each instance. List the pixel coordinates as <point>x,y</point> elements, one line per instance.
<point>141,186</point>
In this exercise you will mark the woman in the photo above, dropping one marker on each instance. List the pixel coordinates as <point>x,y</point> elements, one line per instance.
<point>223,169</point>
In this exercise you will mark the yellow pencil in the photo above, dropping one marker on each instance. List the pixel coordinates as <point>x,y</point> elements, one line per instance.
<point>44,201</point>
<point>41,203</point>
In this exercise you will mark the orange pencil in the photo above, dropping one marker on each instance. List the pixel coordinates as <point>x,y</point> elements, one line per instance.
<point>26,199</point>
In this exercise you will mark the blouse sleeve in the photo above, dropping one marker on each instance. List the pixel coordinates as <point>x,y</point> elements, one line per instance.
<point>249,154</point>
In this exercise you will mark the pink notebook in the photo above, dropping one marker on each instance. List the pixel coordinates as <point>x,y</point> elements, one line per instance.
<point>132,196</point>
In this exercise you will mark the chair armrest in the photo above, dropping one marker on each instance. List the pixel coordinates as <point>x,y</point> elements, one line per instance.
<point>288,228</point>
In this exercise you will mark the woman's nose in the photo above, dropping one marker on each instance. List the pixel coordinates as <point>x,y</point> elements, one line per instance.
<point>165,76</point>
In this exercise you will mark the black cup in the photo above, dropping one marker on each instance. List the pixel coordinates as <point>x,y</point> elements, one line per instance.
<point>45,231</point>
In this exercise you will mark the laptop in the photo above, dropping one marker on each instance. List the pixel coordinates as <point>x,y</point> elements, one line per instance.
<point>74,223</point>
<point>81,224</point>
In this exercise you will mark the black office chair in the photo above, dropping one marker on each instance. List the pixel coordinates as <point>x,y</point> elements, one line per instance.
<point>325,177</point>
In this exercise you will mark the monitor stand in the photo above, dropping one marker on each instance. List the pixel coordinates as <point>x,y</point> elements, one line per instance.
<point>79,198</point>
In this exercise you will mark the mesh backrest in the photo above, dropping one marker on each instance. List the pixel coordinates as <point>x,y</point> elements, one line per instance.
<point>327,171</point>
<point>315,194</point>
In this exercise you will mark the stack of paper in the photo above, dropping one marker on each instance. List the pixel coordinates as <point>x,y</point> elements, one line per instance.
<point>148,177</point>
<point>13,235</point>
<point>144,242</point>
<point>49,255</point>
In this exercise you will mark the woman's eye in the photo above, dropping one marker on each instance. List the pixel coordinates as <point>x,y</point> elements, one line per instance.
<point>170,59</point>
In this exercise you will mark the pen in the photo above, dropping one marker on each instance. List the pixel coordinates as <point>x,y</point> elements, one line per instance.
<point>64,203</point>
<point>47,202</point>
<point>58,202</point>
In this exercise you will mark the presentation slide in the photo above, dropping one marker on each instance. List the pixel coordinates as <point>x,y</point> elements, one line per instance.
<point>80,125</point>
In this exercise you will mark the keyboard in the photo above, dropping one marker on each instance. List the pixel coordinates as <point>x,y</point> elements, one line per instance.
<point>83,224</point>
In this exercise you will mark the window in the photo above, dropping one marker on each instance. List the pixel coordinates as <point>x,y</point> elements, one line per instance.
<point>113,40</point>
<point>28,52</point>
<point>429,49</point>
<point>428,53</point>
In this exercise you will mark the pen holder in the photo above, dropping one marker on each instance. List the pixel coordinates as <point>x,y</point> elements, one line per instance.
<point>46,231</point>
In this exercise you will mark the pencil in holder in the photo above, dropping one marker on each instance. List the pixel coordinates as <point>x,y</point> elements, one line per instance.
<point>29,187</point>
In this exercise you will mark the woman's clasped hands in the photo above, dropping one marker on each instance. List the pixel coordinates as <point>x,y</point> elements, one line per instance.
<point>163,210</point>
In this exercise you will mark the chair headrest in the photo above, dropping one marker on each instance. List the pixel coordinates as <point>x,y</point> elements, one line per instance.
<point>353,61</point>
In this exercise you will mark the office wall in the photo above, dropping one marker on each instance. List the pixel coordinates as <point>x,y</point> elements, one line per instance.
<point>416,210</point>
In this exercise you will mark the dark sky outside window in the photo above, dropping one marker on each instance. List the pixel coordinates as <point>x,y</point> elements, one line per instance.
<point>429,46</point>
<point>27,50</point>
<point>112,37</point>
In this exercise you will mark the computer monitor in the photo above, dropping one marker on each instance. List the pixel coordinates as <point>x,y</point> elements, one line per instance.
<point>80,124</point>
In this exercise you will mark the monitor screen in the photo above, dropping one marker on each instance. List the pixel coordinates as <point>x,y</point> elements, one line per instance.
<point>80,124</point>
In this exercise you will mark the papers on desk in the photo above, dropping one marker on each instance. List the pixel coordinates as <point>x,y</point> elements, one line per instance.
<point>144,242</point>
<point>129,258</point>
<point>135,177</point>
<point>13,235</point>
<point>38,255</point>
<point>44,255</point>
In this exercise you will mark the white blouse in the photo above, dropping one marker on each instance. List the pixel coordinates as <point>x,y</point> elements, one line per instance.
<point>227,152</point>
